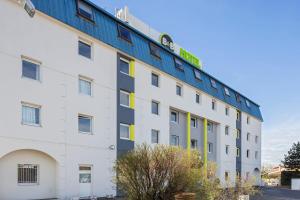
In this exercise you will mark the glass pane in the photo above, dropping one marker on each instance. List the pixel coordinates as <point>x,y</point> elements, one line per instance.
<point>85,178</point>
<point>197,74</point>
<point>154,50</point>
<point>178,90</point>
<point>85,10</point>
<point>124,131</point>
<point>124,33</point>
<point>85,87</point>
<point>124,67</point>
<point>30,115</point>
<point>173,117</point>
<point>154,136</point>
<point>154,108</point>
<point>155,80</point>
<point>84,49</point>
<point>84,124</point>
<point>124,98</point>
<point>30,70</point>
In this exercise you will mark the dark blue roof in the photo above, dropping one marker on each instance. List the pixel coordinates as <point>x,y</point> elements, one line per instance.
<point>104,28</point>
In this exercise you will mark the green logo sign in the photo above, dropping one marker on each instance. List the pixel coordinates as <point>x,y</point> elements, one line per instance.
<point>190,58</point>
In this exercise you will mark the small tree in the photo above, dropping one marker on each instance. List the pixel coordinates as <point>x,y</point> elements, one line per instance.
<point>292,159</point>
<point>158,173</point>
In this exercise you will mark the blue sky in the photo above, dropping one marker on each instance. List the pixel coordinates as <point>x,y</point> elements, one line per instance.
<point>251,45</point>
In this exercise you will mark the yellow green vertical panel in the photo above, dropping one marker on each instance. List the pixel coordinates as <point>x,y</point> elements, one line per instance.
<point>205,144</point>
<point>131,131</point>
<point>188,132</point>
<point>132,102</point>
<point>131,68</point>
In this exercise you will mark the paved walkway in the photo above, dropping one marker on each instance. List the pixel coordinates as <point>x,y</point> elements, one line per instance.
<point>277,194</point>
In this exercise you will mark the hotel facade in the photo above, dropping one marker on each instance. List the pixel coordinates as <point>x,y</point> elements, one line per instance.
<point>81,86</point>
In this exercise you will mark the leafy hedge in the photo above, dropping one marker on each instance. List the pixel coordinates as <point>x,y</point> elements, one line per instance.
<point>286,177</point>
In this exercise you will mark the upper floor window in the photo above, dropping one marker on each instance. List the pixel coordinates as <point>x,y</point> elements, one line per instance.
<point>256,139</point>
<point>85,49</point>
<point>30,70</point>
<point>154,50</point>
<point>198,98</point>
<point>227,149</point>
<point>227,110</point>
<point>194,122</point>
<point>155,80</point>
<point>155,107</point>
<point>124,33</point>
<point>174,140</point>
<point>85,86</point>
<point>210,127</point>
<point>248,153</point>
<point>124,66</point>
<point>237,152</point>
<point>179,90</point>
<point>248,103</point>
<point>178,64</point>
<point>213,104</point>
<point>194,144</point>
<point>256,154</point>
<point>226,130</point>
<point>210,147</point>
<point>213,83</point>
<point>154,136</point>
<point>174,116</point>
<point>248,119</point>
<point>85,10</point>
<point>238,133</point>
<point>124,98</point>
<point>124,131</point>
<point>85,124</point>
<point>31,114</point>
<point>226,91</point>
<point>197,74</point>
<point>238,115</point>
<point>248,136</point>
<point>238,98</point>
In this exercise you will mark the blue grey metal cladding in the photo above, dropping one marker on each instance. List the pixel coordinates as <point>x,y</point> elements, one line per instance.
<point>104,28</point>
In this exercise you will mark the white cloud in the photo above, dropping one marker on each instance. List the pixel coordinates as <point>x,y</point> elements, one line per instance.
<point>278,139</point>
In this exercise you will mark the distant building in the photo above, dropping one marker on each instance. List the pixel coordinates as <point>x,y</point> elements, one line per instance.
<point>81,87</point>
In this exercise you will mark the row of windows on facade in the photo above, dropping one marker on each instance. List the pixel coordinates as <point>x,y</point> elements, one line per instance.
<point>85,50</point>
<point>29,174</point>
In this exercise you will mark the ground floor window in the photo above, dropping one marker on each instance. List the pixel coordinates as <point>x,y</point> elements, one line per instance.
<point>85,174</point>
<point>28,174</point>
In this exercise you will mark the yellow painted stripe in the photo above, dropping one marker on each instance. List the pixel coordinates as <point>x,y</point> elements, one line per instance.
<point>131,130</point>
<point>188,132</point>
<point>205,143</point>
<point>132,102</point>
<point>132,68</point>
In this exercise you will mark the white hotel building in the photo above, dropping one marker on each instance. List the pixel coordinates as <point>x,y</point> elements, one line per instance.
<point>81,86</point>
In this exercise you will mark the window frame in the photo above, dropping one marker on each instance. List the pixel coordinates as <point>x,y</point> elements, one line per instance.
<point>153,74</point>
<point>248,153</point>
<point>194,124</point>
<point>256,155</point>
<point>153,47</point>
<point>238,152</point>
<point>210,147</point>
<point>157,135</point>
<point>127,93</point>
<point>125,60</point>
<point>256,139</point>
<point>177,140</point>
<point>198,99</point>
<point>23,183</point>
<point>34,106</point>
<point>227,149</point>
<point>178,64</point>
<point>180,89</point>
<point>86,79</point>
<point>82,15</point>
<point>213,83</point>
<point>227,110</point>
<point>38,68</point>
<point>119,27</point>
<point>238,133</point>
<point>197,72</point>
<point>86,43</point>
<point>248,136</point>
<point>127,126</point>
<point>196,142</point>
<point>226,91</point>
<point>91,124</point>
<point>213,104</point>
<point>156,103</point>
<point>248,104</point>
<point>177,117</point>
<point>238,98</point>
<point>226,130</point>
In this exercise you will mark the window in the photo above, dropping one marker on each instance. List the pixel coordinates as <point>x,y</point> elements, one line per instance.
<point>248,103</point>
<point>124,33</point>
<point>85,124</point>
<point>213,83</point>
<point>178,64</point>
<point>174,140</point>
<point>213,104</point>
<point>85,49</point>
<point>194,144</point>
<point>210,127</point>
<point>30,70</point>
<point>256,139</point>
<point>124,98</point>
<point>28,174</point>
<point>154,136</point>
<point>226,176</point>
<point>174,117</point>
<point>227,111</point>
<point>248,120</point>
<point>238,133</point>
<point>124,66</point>
<point>227,149</point>
<point>154,107</point>
<point>226,91</point>
<point>85,174</point>
<point>248,153</point>
<point>85,10</point>
<point>154,50</point>
<point>238,98</point>
<point>238,115</point>
<point>85,86</point>
<point>30,114</point>
<point>124,131</point>
<point>237,152</point>
<point>197,74</point>
<point>248,136</point>
<point>194,122</point>
<point>179,90</point>
<point>256,154</point>
<point>198,98</point>
<point>155,80</point>
<point>210,147</point>
<point>226,130</point>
